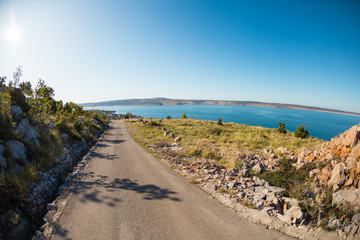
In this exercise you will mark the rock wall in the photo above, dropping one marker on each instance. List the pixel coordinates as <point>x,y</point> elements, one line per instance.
<point>21,222</point>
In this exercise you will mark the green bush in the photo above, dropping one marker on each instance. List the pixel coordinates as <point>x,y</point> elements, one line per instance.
<point>12,192</point>
<point>153,124</point>
<point>281,128</point>
<point>301,132</point>
<point>184,116</point>
<point>219,122</point>
<point>168,117</point>
<point>77,125</point>
<point>286,176</point>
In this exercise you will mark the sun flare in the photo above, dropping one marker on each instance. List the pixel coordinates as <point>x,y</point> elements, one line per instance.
<point>13,33</point>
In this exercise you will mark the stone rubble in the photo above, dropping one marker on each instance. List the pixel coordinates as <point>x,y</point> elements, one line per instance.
<point>341,171</point>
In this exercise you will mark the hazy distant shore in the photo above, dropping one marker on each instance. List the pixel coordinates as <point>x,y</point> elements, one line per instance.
<point>167,101</point>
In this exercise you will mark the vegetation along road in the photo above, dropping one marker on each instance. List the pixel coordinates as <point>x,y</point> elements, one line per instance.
<point>127,194</point>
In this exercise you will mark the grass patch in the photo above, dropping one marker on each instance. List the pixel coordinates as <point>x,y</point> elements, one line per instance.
<point>206,139</point>
<point>193,181</point>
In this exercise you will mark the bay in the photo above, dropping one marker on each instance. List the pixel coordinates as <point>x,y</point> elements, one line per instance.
<point>321,125</point>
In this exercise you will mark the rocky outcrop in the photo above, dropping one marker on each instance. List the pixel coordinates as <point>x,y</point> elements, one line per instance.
<point>17,150</point>
<point>344,197</point>
<point>28,132</point>
<point>340,161</point>
<point>338,169</point>
<point>16,112</point>
<point>338,175</point>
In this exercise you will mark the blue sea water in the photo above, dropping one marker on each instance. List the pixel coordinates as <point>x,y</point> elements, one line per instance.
<point>321,125</point>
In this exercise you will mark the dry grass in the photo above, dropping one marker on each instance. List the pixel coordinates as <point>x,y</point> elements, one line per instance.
<point>224,144</point>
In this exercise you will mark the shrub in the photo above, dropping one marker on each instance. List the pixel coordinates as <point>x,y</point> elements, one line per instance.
<point>184,116</point>
<point>281,128</point>
<point>193,181</point>
<point>219,122</point>
<point>168,117</point>
<point>77,125</point>
<point>153,124</point>
<point>301,132</point>
<point>12,192</point>
<point>286,176</point>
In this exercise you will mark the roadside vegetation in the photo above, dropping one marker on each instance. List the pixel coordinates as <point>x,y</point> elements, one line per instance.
<point>226,150</point>
<point>41,126</point>
<point>218,141</point>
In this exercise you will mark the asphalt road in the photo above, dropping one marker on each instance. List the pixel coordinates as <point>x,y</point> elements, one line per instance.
<point>127,194</point>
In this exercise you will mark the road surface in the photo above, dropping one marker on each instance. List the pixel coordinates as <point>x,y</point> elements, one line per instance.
<point>127,194</point>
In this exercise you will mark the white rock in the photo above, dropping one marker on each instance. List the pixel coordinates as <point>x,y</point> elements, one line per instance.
<point>258,168</point>
<point>347,196</point>
<point>28,132</point>
<point>338,175</point>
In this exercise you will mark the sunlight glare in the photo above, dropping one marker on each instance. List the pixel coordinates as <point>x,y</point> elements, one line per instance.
<point>13,34</point>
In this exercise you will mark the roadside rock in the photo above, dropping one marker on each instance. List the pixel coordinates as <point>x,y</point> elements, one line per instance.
<point>293,215</point>
<point>16,112</point>
<point>259,168</point>
<point>21,231</point>
<point>18,150</point>
<point>28,132</point>
<point>338,175</point>
<point>169,134</point>
<point>64,136</point>
<point>3,164</point>
<point>351,137</point>
<point>281,150</point>
<point>351,197</point>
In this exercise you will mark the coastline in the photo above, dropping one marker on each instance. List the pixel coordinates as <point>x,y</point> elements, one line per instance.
<point>167,102</point>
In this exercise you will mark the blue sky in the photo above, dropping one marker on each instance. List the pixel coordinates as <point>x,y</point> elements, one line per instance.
<point>298,52</point>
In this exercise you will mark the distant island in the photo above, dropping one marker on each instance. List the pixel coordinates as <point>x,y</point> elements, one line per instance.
<point>168,101</point>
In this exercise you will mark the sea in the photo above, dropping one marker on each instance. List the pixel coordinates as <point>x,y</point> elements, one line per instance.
<point>322,125</point>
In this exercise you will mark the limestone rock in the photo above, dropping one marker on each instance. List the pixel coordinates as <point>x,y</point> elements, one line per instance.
<point>169,134</point>
<point>64,136</point>
<point>313,172</point>
<point>338,175</point>
<point>178,139</point>
<point>351,137</point>
<point>16,112</point>
<point>355,152</point>
<point>17,150</point>
<point>3,164</point>
<point>259,168</point>
<point>28,132</point>
<point>351,163</point>
<point>356,219</point>
<point>293,215</point>
<point>281,149</point>
<point>347,196</point>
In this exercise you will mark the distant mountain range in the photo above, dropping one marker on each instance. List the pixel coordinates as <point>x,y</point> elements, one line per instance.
<point>168,101</point>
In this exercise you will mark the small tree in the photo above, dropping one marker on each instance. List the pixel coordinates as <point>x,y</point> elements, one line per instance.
<point>184,116</point>
<point>219,122</point>
<point>281,128</point>
<point>301,132</point>
<point>168,117</point>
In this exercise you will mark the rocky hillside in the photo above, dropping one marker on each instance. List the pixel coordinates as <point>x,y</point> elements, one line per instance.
<point>41,140</point>
<point>301,191</point>
<point>340,166</point>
